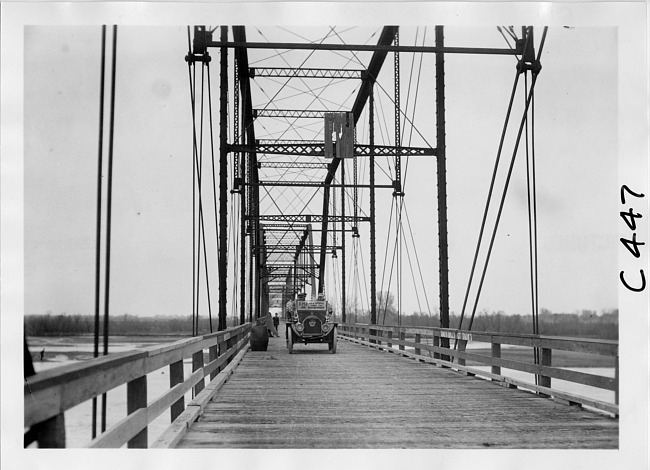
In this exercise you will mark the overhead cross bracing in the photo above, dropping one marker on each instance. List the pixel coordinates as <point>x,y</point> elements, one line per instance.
<point>304,73</point>
<point>318,149</point>
<point>318,130</point>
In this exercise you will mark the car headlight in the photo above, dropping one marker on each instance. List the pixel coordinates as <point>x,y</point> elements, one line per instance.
<point>326,327</point>
<point>299,327</point>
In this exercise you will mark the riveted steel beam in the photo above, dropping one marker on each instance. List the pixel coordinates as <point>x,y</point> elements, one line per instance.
<point>290,113</point>
<point>369,48</point>
<point>305,73</point>
<point>302,218</point>
<point>317,149</point>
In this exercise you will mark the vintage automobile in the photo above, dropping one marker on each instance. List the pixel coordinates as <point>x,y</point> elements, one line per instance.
<point>310,321</point>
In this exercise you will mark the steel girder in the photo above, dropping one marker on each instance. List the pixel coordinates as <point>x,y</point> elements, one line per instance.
<point>385,48</point>
<point>290,113</point>
<point>314,218</point>
<point>305,73</point>
<point>317,149</point>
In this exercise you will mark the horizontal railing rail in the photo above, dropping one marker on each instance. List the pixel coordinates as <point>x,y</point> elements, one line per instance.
<point>426,344</point>
<point>49,394</point>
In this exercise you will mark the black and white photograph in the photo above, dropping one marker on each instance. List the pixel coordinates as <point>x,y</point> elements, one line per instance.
<point>289,234</point>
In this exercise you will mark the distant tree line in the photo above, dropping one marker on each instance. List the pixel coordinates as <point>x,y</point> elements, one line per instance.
<point>584,324</point>
<point>122,325</point>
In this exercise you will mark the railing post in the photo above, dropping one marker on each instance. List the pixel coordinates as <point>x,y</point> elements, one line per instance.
<point>50,434</point>
<point>545,381</point>
<point>417,341</point>
<point>402,337</point>
<point>496,354</point>
<point>436,343</point>
<point>197,363</point>
<point>390,336</point>
<point>462,345</point>
<point>213,353</point>
<point>136,398</point>
<point>616,378</point>
<point>176,376</point>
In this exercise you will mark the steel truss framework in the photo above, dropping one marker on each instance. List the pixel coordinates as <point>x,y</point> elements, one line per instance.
<point>259,275</point>
<point>317,149</point>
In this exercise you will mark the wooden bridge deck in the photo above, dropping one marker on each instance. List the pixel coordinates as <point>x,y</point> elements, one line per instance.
<point>365,398</point>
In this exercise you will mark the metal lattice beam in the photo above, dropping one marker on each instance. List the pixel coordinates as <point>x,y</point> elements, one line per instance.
<point>294,165</point>
<point>303,218</point>
<point>317,149</point>
<point>305,73</point>
<point>290,113</point>
<point>288,247</point>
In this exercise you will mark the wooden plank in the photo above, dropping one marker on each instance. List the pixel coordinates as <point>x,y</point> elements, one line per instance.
<point>178,428</point>
<point>52,392</point>
<point>91,368</point>
<point>567,343</point>
<point>130,426</point>
<point>313,399</point>
<point>571,398</point>
<point>438,362</point>
<point>125,429</point>
<point>45,403</point>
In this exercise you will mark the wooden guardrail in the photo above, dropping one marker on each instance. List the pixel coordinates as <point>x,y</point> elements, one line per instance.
<point>425,344</point>
<point>50,393</point>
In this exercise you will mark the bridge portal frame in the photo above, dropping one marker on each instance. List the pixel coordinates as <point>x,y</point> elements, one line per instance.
<point>249,182</point>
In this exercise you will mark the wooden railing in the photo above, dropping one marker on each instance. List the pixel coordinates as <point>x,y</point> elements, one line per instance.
<point>49,394</point>
<point>425,344</point>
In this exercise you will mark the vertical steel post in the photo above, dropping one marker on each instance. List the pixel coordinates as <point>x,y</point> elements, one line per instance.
<point>242,246</point>
<point>373,260</point>
<point>323,239</point>
<point>397,184</point>
<point>398,133</point>
<point>312,262</point>
<point>442,185</point>
<point>223,181</point>
<point>240,172</point>
<point>342,157</point>
<point>251,236</point>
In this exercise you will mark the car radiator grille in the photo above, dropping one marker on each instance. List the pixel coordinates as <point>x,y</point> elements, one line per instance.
<point>312,326</point>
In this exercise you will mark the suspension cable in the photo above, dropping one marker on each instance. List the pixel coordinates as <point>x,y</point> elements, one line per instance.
<point>507,182</point>
<point>98,233</point>
<point>489,198</point>
<point>109,199</point>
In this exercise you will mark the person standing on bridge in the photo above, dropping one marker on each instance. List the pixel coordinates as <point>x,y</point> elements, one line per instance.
<point>276,322</point>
